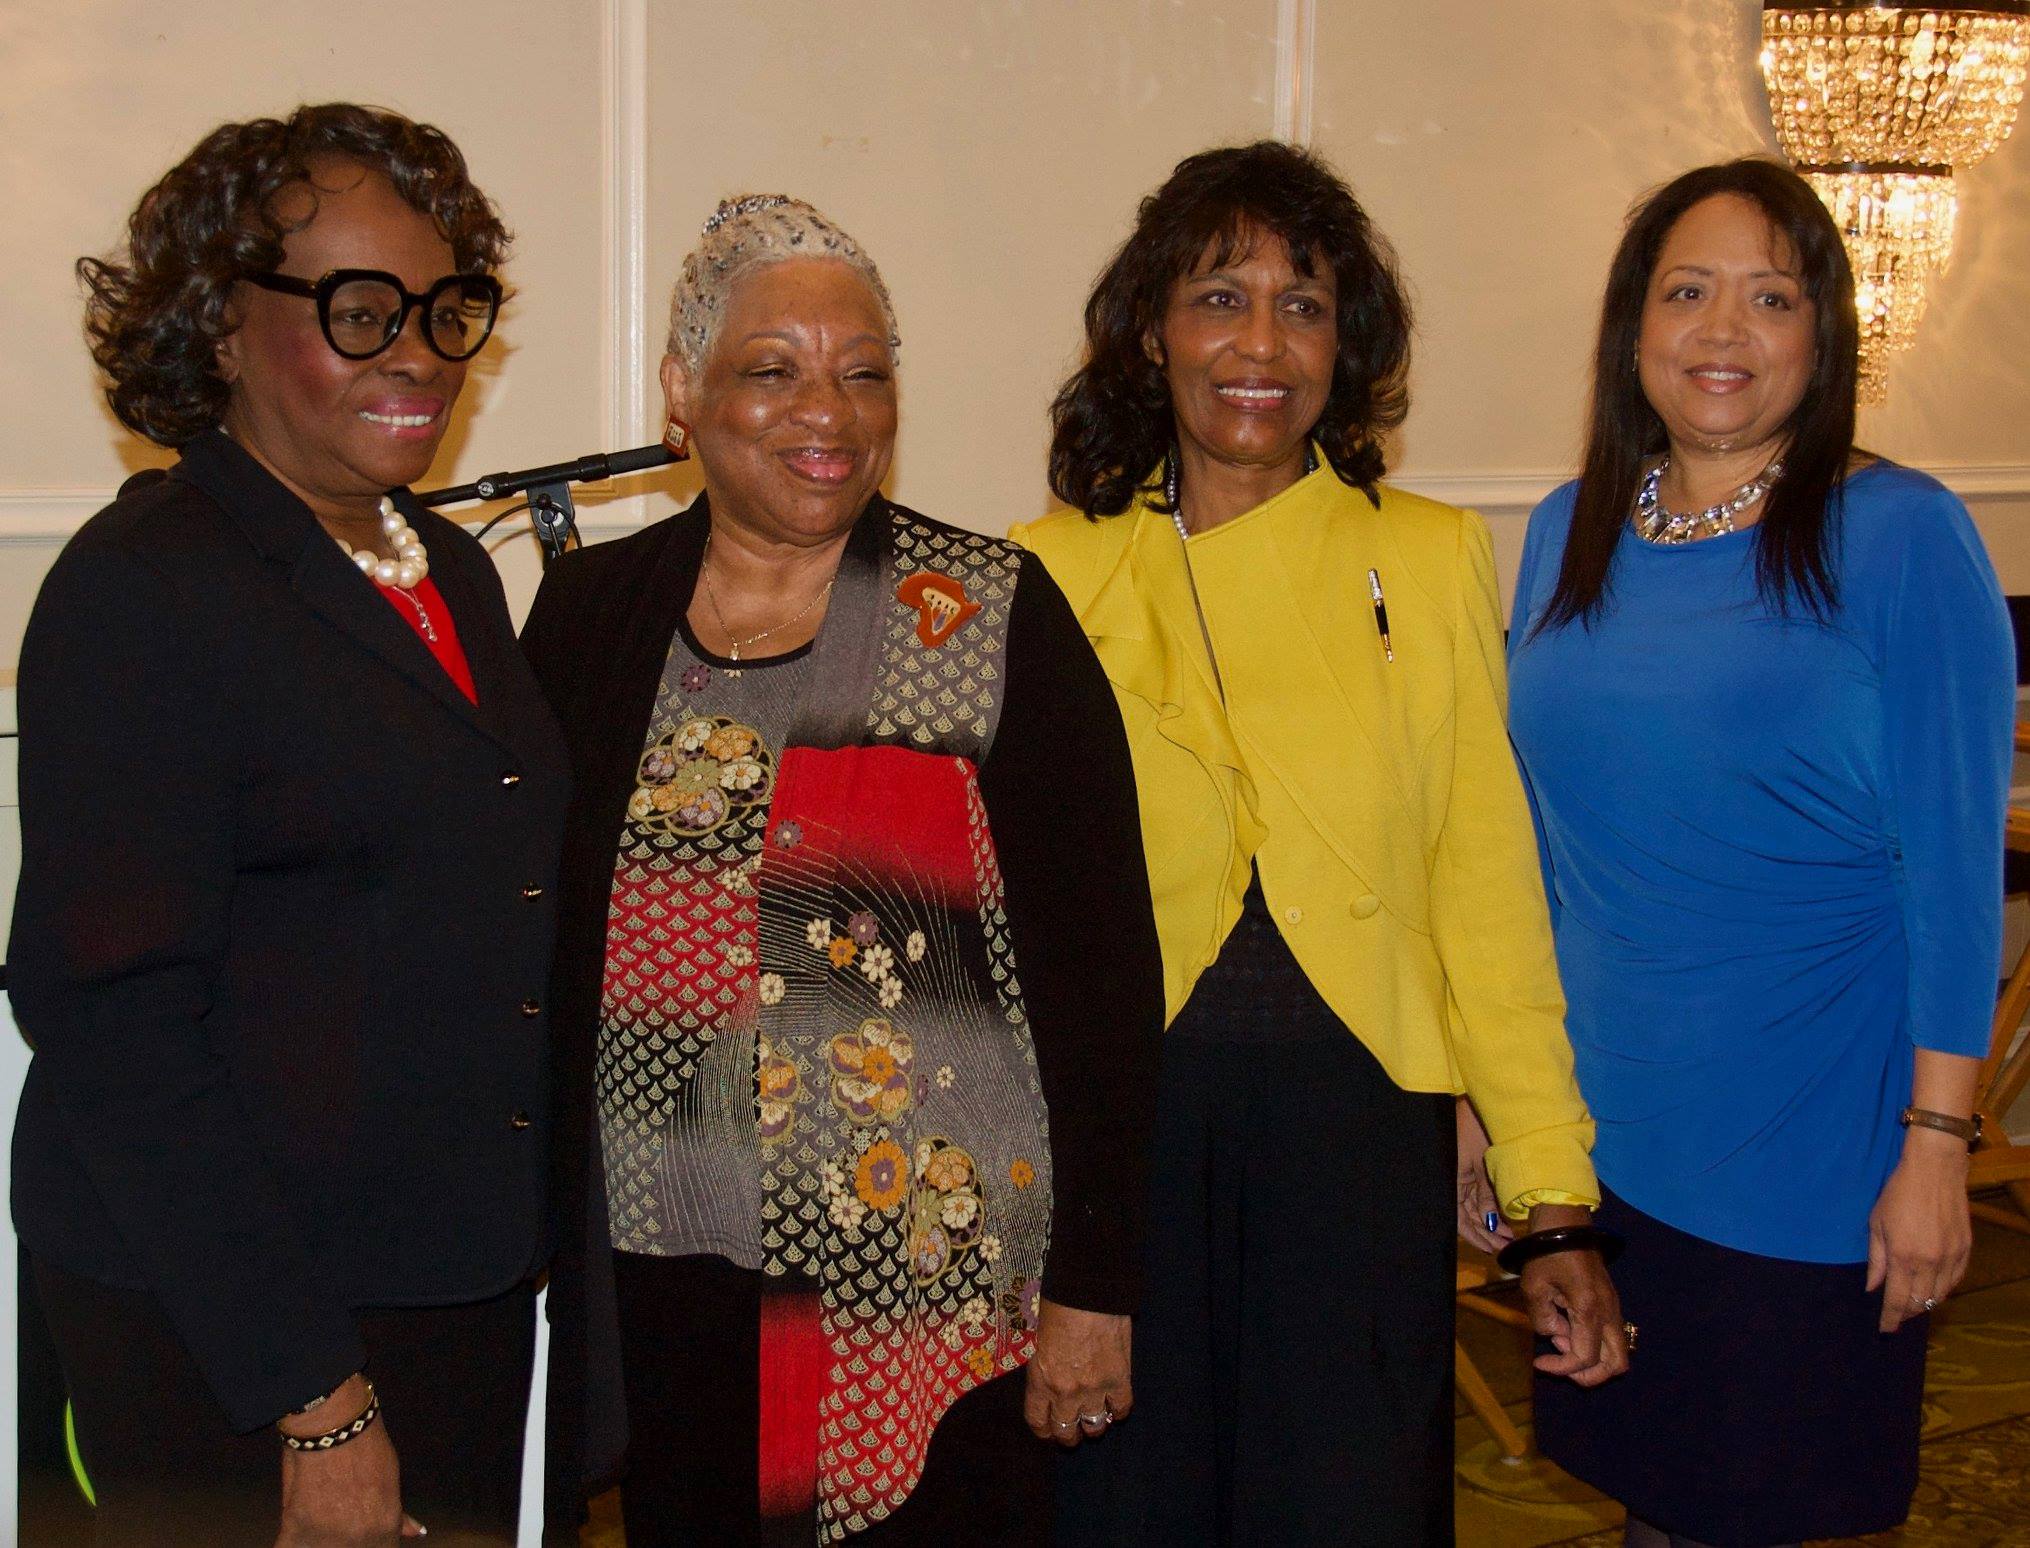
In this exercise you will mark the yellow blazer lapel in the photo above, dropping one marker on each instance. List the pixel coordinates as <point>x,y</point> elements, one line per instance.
<point>1285,588</point>
<point>1143,622</point>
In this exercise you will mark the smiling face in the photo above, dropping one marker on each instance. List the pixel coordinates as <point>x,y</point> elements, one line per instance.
<point>1249,348</point>
<point>340,432</point>
<point>793,413</point>
<point>1728,333</point>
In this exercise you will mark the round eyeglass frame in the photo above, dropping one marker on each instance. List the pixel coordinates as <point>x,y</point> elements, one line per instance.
<point>327,285</point>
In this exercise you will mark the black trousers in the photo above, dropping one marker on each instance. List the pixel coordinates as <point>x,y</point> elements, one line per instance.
<point>1293,1355</point>
<point>690,1331</point>
<point>169,1473</point>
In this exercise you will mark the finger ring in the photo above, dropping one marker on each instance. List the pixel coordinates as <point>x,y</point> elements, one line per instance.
<point>1096,1421</point>
<point>1628,1331</point>
<point>1061,1424</point>
<point>1930,1303</point>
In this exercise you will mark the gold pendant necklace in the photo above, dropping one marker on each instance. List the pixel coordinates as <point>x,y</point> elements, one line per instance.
<point>719,615</point>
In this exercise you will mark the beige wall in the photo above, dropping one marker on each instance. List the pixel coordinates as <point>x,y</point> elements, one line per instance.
<point>989,152</point>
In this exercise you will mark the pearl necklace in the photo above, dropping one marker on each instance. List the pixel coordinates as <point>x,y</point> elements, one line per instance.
<point>410,564</point>
<point>1171,488</point>
<point>405,571</point>
<point>1654,524</point>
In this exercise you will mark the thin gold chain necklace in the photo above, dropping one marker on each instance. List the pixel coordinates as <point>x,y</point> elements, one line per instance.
<point>718,613</point>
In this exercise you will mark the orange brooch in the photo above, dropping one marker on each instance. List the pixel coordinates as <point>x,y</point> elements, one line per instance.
<point>941,606</point>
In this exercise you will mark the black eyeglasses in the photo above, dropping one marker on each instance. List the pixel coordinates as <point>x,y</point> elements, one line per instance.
<point>363,311</point>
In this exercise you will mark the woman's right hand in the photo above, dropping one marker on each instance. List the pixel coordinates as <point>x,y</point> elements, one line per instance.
<point>349,1496</point>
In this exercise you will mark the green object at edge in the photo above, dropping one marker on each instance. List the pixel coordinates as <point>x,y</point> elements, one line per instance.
<point>77,1463</point>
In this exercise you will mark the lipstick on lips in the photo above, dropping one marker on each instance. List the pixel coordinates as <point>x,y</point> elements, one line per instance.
<point>1710,376</point>
<point>403,417</point>
<point>1253,394</point>
<point>820,464</point>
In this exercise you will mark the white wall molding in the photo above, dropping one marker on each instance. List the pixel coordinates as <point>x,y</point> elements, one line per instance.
<point>623,224</point>
<point>49,516</point>
<point>1514,494</point>
<point>1296,68</point>
<point>1496,494</point>
<point>44,516</point>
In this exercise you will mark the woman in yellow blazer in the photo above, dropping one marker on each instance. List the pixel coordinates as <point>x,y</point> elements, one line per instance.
<point>1352,919</point>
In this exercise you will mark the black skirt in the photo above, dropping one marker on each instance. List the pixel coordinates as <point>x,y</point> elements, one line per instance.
<point>1762,1406</point>
<point>1293,1352</point>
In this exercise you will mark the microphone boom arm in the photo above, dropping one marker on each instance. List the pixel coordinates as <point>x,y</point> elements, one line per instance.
<point>551,512</point>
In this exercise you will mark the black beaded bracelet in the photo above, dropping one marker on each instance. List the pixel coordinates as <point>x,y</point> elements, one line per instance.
<point>332,1439</point>
<point>1541,1244</point>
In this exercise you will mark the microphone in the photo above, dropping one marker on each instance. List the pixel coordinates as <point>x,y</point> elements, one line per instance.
<point>498,486</point>
<point>549,490</point>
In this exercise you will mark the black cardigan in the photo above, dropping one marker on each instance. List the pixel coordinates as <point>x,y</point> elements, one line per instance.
<point>284,919</point>
<point>1059,788</point>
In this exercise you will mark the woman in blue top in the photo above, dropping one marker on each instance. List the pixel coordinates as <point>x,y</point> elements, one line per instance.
<point>1762,692</point>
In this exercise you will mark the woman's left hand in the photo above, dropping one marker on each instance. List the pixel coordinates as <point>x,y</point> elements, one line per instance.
<point>1079,1376</point>
<point>1472,1187</point>
<point>1919,1233</point>
<point>1574,1304</point>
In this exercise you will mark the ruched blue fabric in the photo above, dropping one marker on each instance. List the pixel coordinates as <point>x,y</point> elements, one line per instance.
<point>1773,847</point>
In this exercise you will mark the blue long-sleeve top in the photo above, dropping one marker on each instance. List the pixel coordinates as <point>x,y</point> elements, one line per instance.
<point>1773,847</point>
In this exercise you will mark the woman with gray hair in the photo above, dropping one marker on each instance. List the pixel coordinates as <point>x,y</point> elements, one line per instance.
<point>852,797</point>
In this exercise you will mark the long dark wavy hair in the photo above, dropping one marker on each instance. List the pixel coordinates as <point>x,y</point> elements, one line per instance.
<point>1800,519</point>
<point>1111,423</point>
<point>156,312</point>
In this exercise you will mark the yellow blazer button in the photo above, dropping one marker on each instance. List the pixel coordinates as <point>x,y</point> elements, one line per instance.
<point>531,1008</point>
<point>1293,915</point>
<point>520,1121</point>
<point>1365,906</point>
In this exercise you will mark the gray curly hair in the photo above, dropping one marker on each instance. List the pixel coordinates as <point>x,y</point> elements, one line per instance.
<point>743,234</point>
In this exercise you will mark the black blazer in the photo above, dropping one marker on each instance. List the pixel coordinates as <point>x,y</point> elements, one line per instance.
<point>283,930</point>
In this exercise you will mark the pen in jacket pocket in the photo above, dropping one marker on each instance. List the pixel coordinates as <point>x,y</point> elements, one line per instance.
<point>1381,612</point>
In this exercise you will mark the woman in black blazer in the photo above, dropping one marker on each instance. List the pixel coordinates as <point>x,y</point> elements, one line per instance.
<point>290,809</point>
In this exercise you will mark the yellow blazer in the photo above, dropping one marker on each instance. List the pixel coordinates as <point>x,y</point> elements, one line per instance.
<point>1378,798</point>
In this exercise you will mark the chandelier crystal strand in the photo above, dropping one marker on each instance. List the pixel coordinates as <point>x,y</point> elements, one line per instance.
<point>1876,83</point>
<point>1878,105</point>
<point>1899,231</point>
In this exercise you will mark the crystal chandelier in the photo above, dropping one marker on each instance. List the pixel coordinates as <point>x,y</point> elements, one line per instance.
<point>1878,106</point>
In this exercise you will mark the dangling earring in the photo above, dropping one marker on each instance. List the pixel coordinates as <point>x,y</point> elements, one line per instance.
<point>677,437</point>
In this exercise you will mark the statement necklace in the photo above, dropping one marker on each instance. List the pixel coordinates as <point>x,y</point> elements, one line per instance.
<point>1171,485</point>
<point>711,596</point>
<point>405,571</point>
<point>1654,524</point>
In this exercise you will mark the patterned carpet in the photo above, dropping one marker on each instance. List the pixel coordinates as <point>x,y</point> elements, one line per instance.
<point>1975,1488</point>
<point>1975,1491</point>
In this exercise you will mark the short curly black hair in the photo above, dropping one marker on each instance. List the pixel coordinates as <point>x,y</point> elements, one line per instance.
<point>1111,422</point>
<point>156,312</point>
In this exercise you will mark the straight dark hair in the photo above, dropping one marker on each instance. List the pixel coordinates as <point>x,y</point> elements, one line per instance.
<point>1793,540</point>
<point>1112,422</point>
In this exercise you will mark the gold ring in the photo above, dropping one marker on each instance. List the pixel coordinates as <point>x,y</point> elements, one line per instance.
<point>1629,1330</point>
